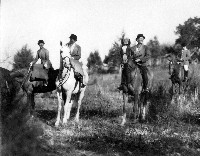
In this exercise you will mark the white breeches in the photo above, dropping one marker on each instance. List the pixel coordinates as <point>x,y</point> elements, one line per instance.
<point>186,67</point>
<point>85,76</point>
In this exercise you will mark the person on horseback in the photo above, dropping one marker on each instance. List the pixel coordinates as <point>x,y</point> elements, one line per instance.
<point>75,52</point>
<point>141,54</point>
<point>42,54</point>
<point>185,57</point>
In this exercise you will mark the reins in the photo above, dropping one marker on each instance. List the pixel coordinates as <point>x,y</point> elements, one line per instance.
<point>67,74</point>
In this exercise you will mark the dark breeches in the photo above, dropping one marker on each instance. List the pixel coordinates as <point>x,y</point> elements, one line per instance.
<point>144,71</point>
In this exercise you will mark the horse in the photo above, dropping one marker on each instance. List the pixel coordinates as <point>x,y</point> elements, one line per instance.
<point>134,85</point>
<point>32,81</point>
<point>69,88</point>
<point>176,72</point>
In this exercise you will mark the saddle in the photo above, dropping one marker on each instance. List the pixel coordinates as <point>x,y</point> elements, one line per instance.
<point>77,66</point>
<point>39,73</point>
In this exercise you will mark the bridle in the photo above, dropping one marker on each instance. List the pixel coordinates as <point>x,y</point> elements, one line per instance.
<point>67,74</point>
<point>124,53</point>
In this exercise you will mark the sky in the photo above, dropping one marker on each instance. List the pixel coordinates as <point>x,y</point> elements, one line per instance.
<point>97,23</point>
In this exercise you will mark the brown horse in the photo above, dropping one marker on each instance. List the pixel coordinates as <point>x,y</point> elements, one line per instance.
<point>133,85</point>
<point>32,81</point>
<point>176,72</point>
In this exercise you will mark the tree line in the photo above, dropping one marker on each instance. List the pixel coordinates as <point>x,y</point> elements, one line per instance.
<point>188,33</point>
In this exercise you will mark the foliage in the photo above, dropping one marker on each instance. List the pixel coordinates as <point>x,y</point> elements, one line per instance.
<point>94,60</point>
<point>154,47</point>
<point>113,58</point>
<point>189,33</point>
<point>22,58</point>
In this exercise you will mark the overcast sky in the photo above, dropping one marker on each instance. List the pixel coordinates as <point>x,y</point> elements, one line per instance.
<point>97,23</point>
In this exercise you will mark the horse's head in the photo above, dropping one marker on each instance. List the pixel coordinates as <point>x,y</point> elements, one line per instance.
<point>126,51</point>
<point>66,57</point>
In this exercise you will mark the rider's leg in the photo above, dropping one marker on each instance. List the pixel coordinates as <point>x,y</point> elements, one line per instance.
<point>85,76</point>
<point>144,70</point>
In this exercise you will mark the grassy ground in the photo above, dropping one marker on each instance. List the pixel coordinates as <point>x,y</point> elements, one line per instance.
<point>171,131</point>
<point>173,128</point>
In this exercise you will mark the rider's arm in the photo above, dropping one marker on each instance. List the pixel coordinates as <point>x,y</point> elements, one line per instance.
<point>36,58</point>
<point>47,55</point>
<point>147,55</point>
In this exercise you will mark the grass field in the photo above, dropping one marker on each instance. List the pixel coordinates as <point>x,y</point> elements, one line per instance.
<point>173,128</point>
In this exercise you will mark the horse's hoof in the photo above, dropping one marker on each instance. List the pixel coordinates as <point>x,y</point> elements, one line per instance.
<point>76,120</point>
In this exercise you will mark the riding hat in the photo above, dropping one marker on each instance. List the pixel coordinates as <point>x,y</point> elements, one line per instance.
<point>73,37</point>
<point>140,35</point>
<point>40,41</point>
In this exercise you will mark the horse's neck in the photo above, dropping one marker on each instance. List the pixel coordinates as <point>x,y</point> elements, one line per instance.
<point>131,63</point>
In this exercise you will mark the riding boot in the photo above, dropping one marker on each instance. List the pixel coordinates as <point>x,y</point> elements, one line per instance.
<point>82,84</point>
<point>185,75</point>
<point>144,78</point>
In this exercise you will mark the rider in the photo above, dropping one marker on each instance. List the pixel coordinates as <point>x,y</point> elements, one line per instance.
<point>42,54</point>
<point>186,56</point>
<point>75,52</point>
<point>142,54</point>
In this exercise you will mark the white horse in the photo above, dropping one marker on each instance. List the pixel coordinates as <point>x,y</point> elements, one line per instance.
<point>66,87</point>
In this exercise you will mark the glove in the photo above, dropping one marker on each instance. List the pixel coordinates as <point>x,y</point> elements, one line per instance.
<point>137,60</point>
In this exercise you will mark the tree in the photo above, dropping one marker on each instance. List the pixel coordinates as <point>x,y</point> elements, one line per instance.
<point>94,60</point>
<point>22,58</point>
<point>154,47</point>
<point>189,33</point>
<point>113,58</point>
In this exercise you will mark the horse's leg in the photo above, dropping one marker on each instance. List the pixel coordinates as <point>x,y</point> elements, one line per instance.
<point>59,95</point>
<point>125,99</point>
<point>32,103</point>
<point>135,107</point>
<point>145,105</point>
<point>67,106</point>
<point>81,95</point>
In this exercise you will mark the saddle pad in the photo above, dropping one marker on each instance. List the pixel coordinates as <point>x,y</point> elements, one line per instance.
<point>38,72</point>
<point>77,66</point>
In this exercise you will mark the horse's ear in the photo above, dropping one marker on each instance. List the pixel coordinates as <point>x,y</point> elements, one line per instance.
<point>129,42</point>
<point>122,42</point>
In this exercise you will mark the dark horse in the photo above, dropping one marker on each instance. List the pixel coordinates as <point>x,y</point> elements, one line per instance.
<point>176,72</point>
<point>133,85</point>
<point>32,81</point>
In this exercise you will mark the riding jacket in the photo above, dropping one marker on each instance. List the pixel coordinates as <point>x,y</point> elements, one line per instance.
<point>185,56</point>
<point>141,53</point>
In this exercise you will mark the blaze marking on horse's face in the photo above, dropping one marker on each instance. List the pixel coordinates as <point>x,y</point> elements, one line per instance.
<point>66,62</point>
<point>125,58</point>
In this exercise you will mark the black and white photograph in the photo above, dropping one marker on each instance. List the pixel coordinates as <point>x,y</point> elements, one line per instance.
<point>99,77</point>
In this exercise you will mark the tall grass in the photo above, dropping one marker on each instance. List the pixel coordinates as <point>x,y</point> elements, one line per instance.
<point>19,133</point>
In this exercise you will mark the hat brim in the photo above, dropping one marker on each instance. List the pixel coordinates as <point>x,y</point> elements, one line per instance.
<point>40,42</point>
<point>139,37</point>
